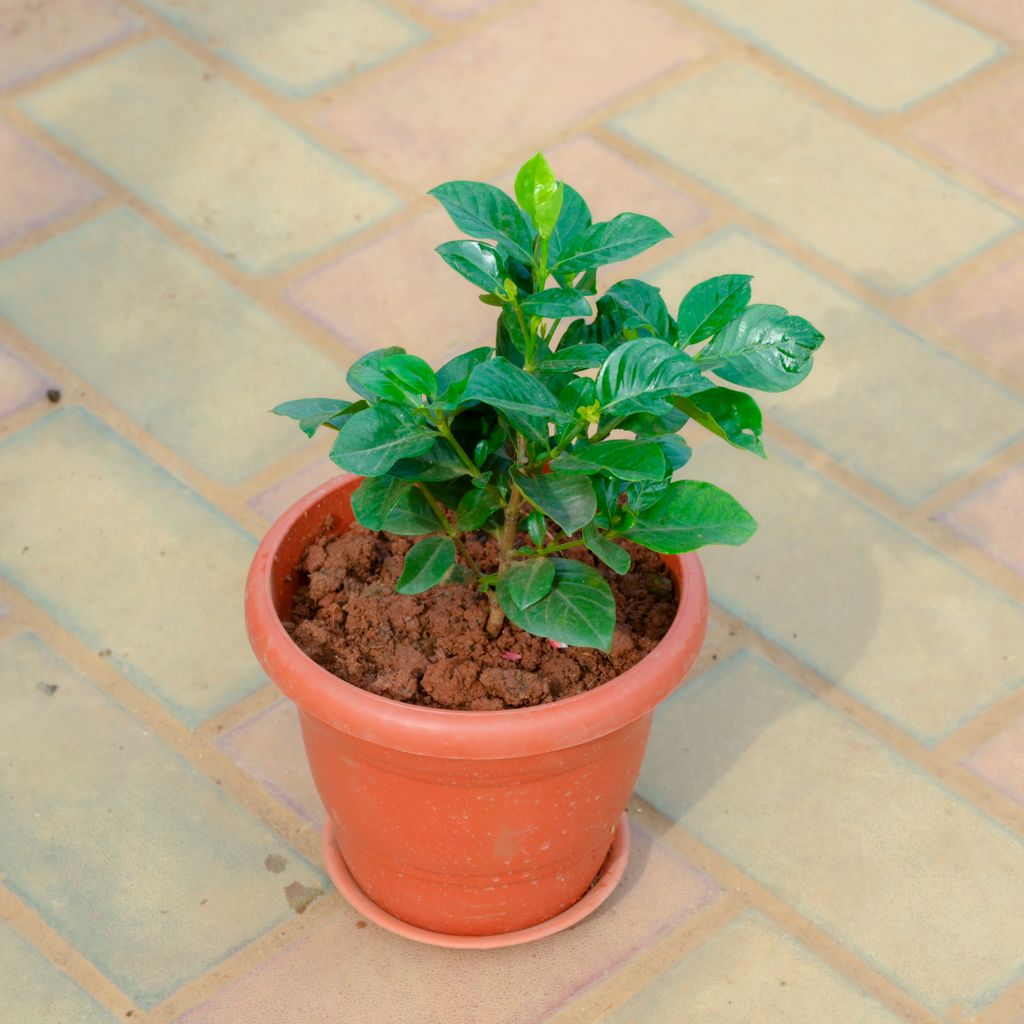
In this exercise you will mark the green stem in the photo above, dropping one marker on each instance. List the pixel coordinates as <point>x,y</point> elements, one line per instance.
<point>529,341</point>
<point>446,525</point>
<point>554,548</point>
<point>606,430</point>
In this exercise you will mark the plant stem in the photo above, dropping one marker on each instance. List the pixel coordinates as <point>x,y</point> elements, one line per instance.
<point>507,539</point>
<point>552,549</point>
<point>606,430</point>
<point>451,531</point>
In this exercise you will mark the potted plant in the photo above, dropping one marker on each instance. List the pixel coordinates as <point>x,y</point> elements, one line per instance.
<point>478,622</point>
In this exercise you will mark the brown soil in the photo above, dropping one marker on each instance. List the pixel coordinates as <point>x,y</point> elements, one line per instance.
<point>432,648</point>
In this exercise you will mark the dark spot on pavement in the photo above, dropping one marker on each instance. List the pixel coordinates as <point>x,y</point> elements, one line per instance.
<point>47,688</point>
<point>275,862</point>
<point>53,394</point>
<point>105,653</point>
<point>360,924</point>
<point>300,896</point>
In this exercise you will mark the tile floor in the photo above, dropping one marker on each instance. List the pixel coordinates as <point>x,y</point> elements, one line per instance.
<point>208,207</point>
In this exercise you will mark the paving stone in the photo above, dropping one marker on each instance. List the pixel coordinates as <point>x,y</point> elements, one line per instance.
<point>20,383</point>
<point>149,870</point>
<point>179,135</point>
<point>784,158</point>
<point>914,880</point>
<point>991,518</point>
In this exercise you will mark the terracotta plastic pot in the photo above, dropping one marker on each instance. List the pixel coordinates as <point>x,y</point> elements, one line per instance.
<point>468,823</point>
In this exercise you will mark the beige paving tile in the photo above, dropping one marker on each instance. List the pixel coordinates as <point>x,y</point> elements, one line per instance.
<point>858,403</point>
<point>282,495</point>
<point>148,869</point>
<point>129,560</point>
<point>38,37</point>
<point>377,976</point>
<point>194,361</point>
<point>209,156</point>
<point>35,989</point>
<point>884,54</point>
<point>455,9</point>
<point>20,383</point>
<point>780,156</point>
<point>986,312</point>
<point>432,312</point>
<point>1000,761</point>
<point>510,83</point>
<point>874,610</point>
<point>751,972</point>
<point>269,747</point>
<point>1004,15</point>
<point>980,131</point>
<point>917,882</point>
<point>296,50</point>
<point>991,517</point>
<point>37,187</point>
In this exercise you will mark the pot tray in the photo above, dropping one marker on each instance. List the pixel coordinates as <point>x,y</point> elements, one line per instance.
<point>608,877</point>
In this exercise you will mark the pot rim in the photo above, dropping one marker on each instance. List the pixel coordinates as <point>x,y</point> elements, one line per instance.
<point>444,732</point>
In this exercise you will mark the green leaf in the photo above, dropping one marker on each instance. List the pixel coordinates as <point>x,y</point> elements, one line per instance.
<point>763,348</point>
<point>458,369</point>
<point>639,373</point>
<point>676,451</point>
<point>664,420</point>
<point>539,193</point>
<point>579,609</point>
<point>366,378</point>
<point>484,211</point>
<point>411,373</point>
<point>475,508</point>
<point>709,306</point>
<point>732,415</point>
<point>617,559</point>
<point>375,439</point>
<point>439,462</point>
<point>476,262</point>
<point>397,506</point>
<point>426,564</point>
<point>576,357</point>
<point>313,412</point>
<point>525,583</point>
<point>537,527</point>
<point>610,241</point>
<point>523,400</point>
<point>642,307</point>
<point>568,500</point>
<point>624,459</point>
<point>556,303</point>
<point>690,514</point>
<point>573,220</point>
<point>605,329</point>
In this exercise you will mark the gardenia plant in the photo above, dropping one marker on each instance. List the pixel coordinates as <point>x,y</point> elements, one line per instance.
<point>558,439</point>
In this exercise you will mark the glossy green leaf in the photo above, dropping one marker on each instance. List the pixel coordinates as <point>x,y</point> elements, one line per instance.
<point>643,308</point>
<point>568,500</point>
<point>458,369</point>
<point>576,357</point>
<point>439,462</point>
<point>732,415</point>
<point>315,412</point>
<point>522,399</point>
<point>639,373</point>
<point>616,558</point>
<point>366,378</point>
<point>426,564</point>
<point>579,609</point>
<point>396,506</point>
<point>763,348</point>
<point>537,527</point>
<point>556,303</point>
<point>605,329</point>
<point>709,306</point>
<point>477,262</point>
<point>610,241</point>
<point>484,211</point>
<point>573,220</point>
<point>539,193</point>
<point>665,420</point>
<point>676,451</point>
<point>476,506</point>
<point>690,514</point>
<point>373,440</point>
<point>411,373</point>
<point>625,459</point>
<point>525,583</point>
